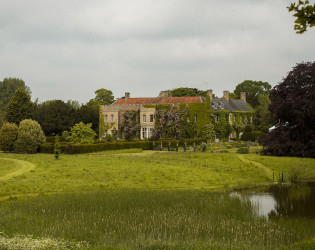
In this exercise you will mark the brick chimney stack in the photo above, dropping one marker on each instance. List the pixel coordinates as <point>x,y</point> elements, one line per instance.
<point>243,96</point>
<point>127,96</point>
<point>226,95</point>
<point>209,93</point>
<point>165,94</point>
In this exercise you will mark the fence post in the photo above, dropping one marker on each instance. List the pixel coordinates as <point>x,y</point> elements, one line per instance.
<point>177,146</point>
<point>169,146</point>
<point>161,146</point>
<point>153,146</point>
<point>185,145</point>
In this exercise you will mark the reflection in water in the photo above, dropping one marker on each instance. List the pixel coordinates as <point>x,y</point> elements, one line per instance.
<point>296,200</point>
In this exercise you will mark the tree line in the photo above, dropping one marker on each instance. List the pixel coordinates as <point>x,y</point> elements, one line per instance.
<point>289,108</point>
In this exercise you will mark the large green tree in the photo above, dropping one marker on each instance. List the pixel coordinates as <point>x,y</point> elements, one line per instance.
<point>19,107</point>
<point>263,117</point>
<point>305,15</point>
<point>55,116</point>
<point>293,104</point>
<point>178,92</point>
<point>104,97</point>
<point>8,87</point>
<point>253,90</point>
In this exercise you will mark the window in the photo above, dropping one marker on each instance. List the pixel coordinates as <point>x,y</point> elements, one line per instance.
<point>151,118</point>
<point>150,132</point>
<point>144,118</point>
<point>105,118</point>
<point>217,118</point>
<point>112,117</point>
<point>195,118</point>
<point>144,133</point>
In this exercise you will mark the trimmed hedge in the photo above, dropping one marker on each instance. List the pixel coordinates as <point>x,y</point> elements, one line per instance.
<point>68,148</point>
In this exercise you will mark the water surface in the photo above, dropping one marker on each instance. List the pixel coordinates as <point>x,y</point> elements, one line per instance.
<point>296,200</point>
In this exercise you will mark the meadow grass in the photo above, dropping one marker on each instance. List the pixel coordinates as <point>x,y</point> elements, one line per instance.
<point>149,170</point>
<point>130,199</point>
<point>136,219</point>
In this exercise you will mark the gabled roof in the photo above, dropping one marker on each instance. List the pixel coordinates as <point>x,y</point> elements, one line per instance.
<point>158,100</point>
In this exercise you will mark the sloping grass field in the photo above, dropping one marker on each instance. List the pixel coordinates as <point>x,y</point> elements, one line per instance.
<point>131,199</point>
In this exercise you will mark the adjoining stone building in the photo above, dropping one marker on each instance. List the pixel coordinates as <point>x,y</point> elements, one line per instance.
<point>111,116</point>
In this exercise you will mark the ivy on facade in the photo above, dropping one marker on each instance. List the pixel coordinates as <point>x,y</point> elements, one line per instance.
<point>130,127</point>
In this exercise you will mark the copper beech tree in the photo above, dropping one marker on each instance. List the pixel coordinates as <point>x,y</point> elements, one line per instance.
<point>293,105</point>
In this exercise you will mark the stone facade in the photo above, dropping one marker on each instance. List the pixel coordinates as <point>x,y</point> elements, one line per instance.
<point>112,115</point>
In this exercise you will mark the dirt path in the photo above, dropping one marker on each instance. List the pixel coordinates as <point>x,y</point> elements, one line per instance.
<point>268,171</point>
<point>24,168</point>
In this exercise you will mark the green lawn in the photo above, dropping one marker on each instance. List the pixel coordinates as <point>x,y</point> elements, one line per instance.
<point>148,170</point>
<point>131,199</point>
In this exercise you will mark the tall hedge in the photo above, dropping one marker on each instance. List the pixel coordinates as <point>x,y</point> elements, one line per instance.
<point>69,148</point>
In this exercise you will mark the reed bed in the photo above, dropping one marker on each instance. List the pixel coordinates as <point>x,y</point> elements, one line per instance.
<point>137,219</point>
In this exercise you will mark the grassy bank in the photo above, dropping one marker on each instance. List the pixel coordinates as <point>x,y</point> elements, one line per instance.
<point>132,199</point>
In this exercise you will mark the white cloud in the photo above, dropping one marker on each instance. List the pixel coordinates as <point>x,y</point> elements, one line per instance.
<point>68,49</point>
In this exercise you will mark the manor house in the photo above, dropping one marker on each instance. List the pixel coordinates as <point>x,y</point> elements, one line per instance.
<point>112,115</point>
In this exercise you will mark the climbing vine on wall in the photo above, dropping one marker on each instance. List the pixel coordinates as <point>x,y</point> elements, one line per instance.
<point>104,126</point>
<point>223,127</point>
<point>171,122</point>
<point>239,120</point>
<point>130,126</point>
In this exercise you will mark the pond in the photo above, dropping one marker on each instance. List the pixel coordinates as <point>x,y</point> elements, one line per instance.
<point>296,200</point>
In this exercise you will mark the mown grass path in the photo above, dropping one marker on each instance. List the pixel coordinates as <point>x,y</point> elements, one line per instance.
<point>24,168</point>
<point>267,170</point>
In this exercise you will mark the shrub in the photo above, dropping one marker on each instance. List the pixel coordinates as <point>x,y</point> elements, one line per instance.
<point>243,150</point>
<point>82,133</point>
<point>8,136</point>
<point>30,137</point>
<point>57,147</point>
<point>65,135</point>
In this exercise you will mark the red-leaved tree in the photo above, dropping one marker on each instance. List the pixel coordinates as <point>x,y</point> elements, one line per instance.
<point>293,104</point>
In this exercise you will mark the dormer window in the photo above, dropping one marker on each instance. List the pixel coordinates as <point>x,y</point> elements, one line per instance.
<point>217,118</point>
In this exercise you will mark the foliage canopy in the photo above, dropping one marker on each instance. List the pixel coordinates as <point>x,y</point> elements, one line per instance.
<point>19,107</point>
<point>253,90</point>
<point>305,15</point>
<point>30,137</point>
<point>293,104</point>
<point>82,133</point>
<point>8,136</point>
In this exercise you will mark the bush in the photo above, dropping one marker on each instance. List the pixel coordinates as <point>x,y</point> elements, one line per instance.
<point>30,137</point>
<point>243,150</point>
<point>8,136</point>
<point>251,136</point>
<point>82,133</point>
<point>65,135</point>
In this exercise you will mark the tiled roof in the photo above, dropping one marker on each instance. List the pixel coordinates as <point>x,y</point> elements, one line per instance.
<point>158,100</point>
<point>230,105</point>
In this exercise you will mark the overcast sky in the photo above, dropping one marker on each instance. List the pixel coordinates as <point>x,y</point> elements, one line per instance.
<point>68,49</point>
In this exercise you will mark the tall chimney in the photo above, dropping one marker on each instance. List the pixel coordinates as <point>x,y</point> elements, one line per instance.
<point>226,95</point>
<point>209,93</point>
<point>243,96</point>
<point>127,96</point>
<point>165,94</point>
